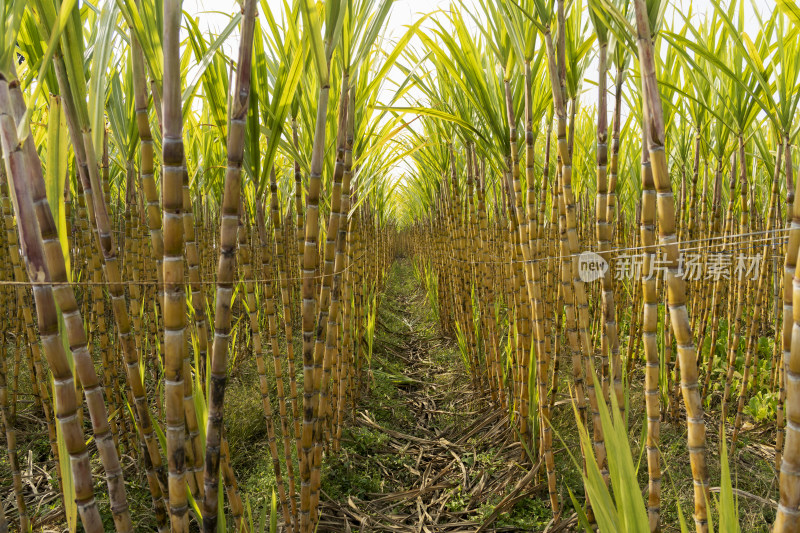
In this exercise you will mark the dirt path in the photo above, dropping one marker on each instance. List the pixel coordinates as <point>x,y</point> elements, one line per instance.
<point>446,461</point>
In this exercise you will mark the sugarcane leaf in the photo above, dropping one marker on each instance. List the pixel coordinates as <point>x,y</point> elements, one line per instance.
<point>148,33</point>
<point>31,46</point>
<point>252,154</point>
<point>616,22</point>
<point>56,172</point>
<point>620,461</point>
<point>208,54</point>
<point>433,113</point>
<point>68,484</point>
<point>273,514</point>
<point>262,517</point>
<point>213,75</point>
<point>376,24</point>
<point>763,87</point>
<point>582,519</point>
<point>728,511</point>
<point>103,48</point>
<point>162,439</point>
<point>790,9</point>
<point>53,42</point>
<point>200,406</point>
<point>514,26</point>
<point>198,514</point>
<point>283,94</point>
<point>12,14</point>
<point>605,511</point>
<point>312,33</point>
<point>121,113</point>
<point>682,519</point>
<point>222,525</point>
<point>392,57</point>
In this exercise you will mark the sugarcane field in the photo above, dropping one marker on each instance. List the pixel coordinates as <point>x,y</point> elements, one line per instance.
<point>400,266</point>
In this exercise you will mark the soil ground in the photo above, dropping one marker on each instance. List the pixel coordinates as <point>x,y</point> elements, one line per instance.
<point>425,453</point>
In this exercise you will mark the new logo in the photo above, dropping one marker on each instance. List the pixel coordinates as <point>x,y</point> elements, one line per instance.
<point>591,267</point>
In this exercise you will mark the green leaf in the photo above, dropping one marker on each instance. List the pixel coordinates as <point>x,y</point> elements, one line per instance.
<point>209,54</point>
<point>621,468</point>
<point>376,24</point>
<point>286,85</point>
<point>200,407</point>
<point>380,76</point>
<point>273,514</point>
<point>790,9</point>
<point>102,52</point>
<point>312,32</point>
<point>681,519</point>
<point>56,172</point>
<point>443,115</point>
<point>148,32</point>
<point>262,518</point>
<point>728,512</point>
<point>52,44</point>
<point>603,506</point>
<point>222,525</point>
<point>68,486</point>
<point>194,505</point>
<point>162,439</point>
<point>9,30</point>
<point>582,519</point>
